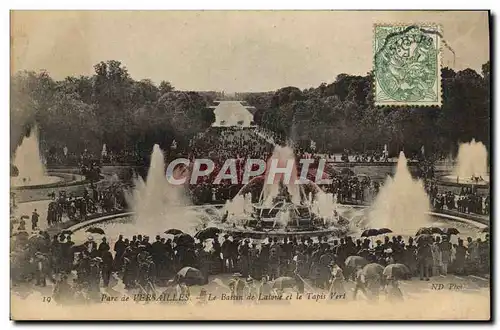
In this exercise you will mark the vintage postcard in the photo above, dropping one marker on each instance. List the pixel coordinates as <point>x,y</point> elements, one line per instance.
<point>250,165</point>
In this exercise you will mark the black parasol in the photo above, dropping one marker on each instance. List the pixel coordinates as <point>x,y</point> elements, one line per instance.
<point>210,232</point>
<point>95,230</point>
<point>174,232</point>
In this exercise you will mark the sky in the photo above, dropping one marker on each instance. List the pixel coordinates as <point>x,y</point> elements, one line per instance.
<point>232,51</point>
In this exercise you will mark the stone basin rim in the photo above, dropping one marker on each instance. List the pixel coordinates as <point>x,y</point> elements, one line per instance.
<point>105,218</point>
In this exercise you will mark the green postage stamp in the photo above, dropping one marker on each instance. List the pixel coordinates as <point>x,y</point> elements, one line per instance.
<point>407,65</point>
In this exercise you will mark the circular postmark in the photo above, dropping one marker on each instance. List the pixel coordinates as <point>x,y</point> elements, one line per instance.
<point>406,66</point>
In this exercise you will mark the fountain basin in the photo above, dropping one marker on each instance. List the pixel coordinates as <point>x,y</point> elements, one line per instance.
<point>453,180</point>
<point>54,179</point>
<point>123,224</point>
<point>23,182</point>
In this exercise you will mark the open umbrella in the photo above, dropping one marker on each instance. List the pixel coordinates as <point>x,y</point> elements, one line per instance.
<point>373,270</point>
<point>486,230</point>
<point>354,261</point>
<point>95,230</point>
<point>284,283</point>
<point>174,232</point>
<point>396,271</point>
<point>423,237</point>
<point>210,232</point>
<point>450,231</point>
<point>384,231</point>
<point>436,230</point>
<point>423,231</point>
<point>191,276</point>
<point>184,239</point>
<point>21,234</point>
<point>370,232</point>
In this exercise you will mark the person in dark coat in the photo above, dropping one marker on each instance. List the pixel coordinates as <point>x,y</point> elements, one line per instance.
<point>424,257</point>
<point>107,266</point>
<point>461,252</point>
<point>67,254</point>
<point>120,246</point>
<point>264,258</point>
<point>226,254</point>
<point>244,258</point>
<point>217,254</point>
<point>104,246</point>
<point>34,220</point>
<point>204,264</point>
<point>274,259</point>
<point>254,265</point>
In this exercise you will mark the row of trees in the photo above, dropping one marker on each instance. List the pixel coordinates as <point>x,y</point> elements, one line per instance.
<point>342,115</point>
<point>108,107</point>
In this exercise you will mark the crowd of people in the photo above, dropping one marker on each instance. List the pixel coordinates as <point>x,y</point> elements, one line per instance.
<point>65,157</point>
<point>469,200</point>
<point>144,265</point>
<point>93,201</point>
<point>65,206</point>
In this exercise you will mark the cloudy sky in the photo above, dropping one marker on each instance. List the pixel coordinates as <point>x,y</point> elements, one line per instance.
<point>231,51</point>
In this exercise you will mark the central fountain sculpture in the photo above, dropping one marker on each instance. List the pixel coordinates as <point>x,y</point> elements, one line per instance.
<point>284,206</point>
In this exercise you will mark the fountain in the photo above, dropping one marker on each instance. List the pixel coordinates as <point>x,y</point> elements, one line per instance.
<point>158,204</point>
<point>401,204</point>
<point>472,163</point>
<point>470,166</point>
<point>283,207</point>
<point>281,157</point>
<point>28,161</point>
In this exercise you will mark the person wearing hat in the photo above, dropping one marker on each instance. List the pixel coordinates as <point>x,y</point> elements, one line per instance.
<point>460,254</point>
<point>253,255</point>
<point>107,264</point>
<point>274,259</point>
<point>41,269</point>
<point>410,256</point>
<point>226,254</point>
<point>264,257</point>
<point>337,280</point>
<point>436,256</point>
<point>445,248</point>
<point>216,255</point>
<point>67,254</point>
<point>378,250</point>
<point>34,220</point>
<point>104,246</point>
<point>91,247</point>
<point>244,259</point>
<point>157,252</point>
<point>389,259</point>
<point>94,278</point>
